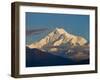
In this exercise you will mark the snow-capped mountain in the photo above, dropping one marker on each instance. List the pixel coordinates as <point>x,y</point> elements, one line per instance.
<point>58,38</point>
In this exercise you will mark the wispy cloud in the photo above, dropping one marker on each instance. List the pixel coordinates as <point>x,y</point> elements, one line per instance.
<point>35,31</point>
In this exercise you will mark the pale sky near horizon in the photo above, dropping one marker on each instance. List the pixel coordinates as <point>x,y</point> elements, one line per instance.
<point>42,23</point>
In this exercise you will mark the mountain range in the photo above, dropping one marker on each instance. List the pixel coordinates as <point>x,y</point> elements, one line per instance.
<point>58,37</point>
<point>61,46</point>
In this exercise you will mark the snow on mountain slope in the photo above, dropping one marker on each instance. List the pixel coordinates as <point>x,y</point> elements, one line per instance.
<point>57,38</point>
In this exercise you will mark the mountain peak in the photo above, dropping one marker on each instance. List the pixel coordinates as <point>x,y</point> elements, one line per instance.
<point>58,37</point>
<point>60,30</point>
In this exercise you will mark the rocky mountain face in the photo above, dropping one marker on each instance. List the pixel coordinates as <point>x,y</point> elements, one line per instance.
<point>57,38</point>
<point>61,46</point>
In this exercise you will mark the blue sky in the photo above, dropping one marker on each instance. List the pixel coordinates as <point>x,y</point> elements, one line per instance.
<point>38,25</point>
